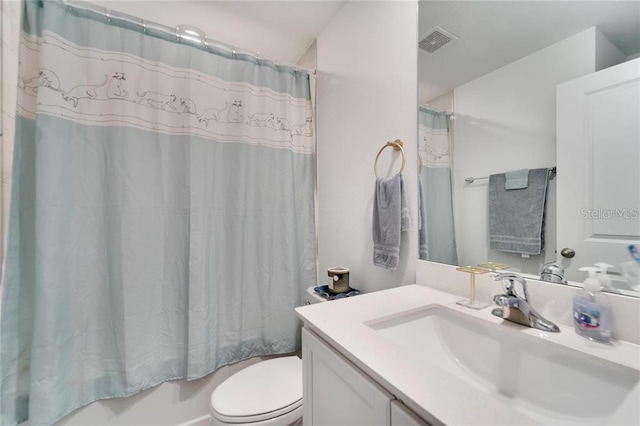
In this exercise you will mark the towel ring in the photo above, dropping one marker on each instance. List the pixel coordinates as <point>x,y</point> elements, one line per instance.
<point>397,146</point>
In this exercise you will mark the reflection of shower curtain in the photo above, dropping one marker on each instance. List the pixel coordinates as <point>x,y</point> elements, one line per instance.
<point>437,236</point>
<point>161,217</point>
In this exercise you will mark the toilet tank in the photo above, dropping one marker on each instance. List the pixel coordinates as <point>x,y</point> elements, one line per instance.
<point>312,297</point>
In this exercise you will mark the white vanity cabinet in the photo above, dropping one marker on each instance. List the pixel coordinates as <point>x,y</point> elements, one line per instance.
<point>337,393</point>
<point>402,416</point>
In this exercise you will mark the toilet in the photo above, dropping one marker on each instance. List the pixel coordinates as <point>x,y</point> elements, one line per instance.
<point>267,393</point>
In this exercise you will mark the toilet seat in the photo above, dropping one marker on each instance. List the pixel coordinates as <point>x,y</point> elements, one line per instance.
<point>262,391</point>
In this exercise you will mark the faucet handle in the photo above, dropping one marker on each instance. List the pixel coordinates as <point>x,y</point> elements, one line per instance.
<point>506,275</point>
<point>509,285</point>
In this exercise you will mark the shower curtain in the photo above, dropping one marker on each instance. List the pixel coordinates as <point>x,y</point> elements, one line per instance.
<point>162,213</point>
<point>437,241</point>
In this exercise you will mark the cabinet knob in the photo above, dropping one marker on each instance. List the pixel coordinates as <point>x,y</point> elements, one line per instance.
<point>568,252</point>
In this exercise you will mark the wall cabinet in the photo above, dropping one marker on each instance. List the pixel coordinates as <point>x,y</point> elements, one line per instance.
<point>337,393</point>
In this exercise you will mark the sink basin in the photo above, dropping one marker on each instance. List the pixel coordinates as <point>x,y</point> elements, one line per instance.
<point>545,381</point>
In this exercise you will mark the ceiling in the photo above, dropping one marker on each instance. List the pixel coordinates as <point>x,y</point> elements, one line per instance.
<point>277,29</point>
<point>297,22</point>
<point>495,33</point>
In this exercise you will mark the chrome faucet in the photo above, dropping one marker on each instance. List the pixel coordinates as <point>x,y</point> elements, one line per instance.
<point>553,273</point>
<point>517,309</point>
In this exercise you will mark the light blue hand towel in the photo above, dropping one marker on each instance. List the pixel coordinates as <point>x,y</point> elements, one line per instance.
<point>517,179</point>
<point>390,218</point>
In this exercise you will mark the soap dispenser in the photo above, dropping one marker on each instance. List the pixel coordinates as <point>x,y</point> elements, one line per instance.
<point>603,277</point>
<point>592,314</point>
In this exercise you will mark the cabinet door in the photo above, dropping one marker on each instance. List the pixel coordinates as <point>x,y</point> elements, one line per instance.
<point>402,416</point>
<point>335,392</point>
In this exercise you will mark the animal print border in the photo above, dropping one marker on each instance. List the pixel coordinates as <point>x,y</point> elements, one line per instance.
<point>434,147</point>
<point>96,87</point>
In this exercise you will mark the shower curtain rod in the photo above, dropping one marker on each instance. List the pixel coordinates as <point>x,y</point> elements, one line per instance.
<point>191,36</point>
<point>436,110</point>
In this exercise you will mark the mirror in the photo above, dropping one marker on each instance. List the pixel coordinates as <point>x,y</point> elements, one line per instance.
<point>489,70</point>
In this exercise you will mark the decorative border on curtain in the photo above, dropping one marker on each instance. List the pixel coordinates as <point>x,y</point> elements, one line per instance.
<point>117,90</point>
<point>433,145</point>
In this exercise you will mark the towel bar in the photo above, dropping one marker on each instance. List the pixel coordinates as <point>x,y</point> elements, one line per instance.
<point>552,172</point>
<point>397,146</point>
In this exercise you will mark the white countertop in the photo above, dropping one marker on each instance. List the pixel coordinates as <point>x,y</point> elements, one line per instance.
<point>431,392</point>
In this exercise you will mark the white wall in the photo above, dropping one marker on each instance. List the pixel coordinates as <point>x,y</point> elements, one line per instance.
<point>367,95</point>
<point>607,54</point>
<point>506,120</point>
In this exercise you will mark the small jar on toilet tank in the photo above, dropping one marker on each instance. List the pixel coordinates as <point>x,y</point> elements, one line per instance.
<point>338,281</point>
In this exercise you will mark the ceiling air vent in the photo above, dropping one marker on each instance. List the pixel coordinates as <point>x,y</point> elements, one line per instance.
<point>435,40</point>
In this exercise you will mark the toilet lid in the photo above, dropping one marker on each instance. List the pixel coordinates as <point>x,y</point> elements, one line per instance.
<point>261,391</point>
